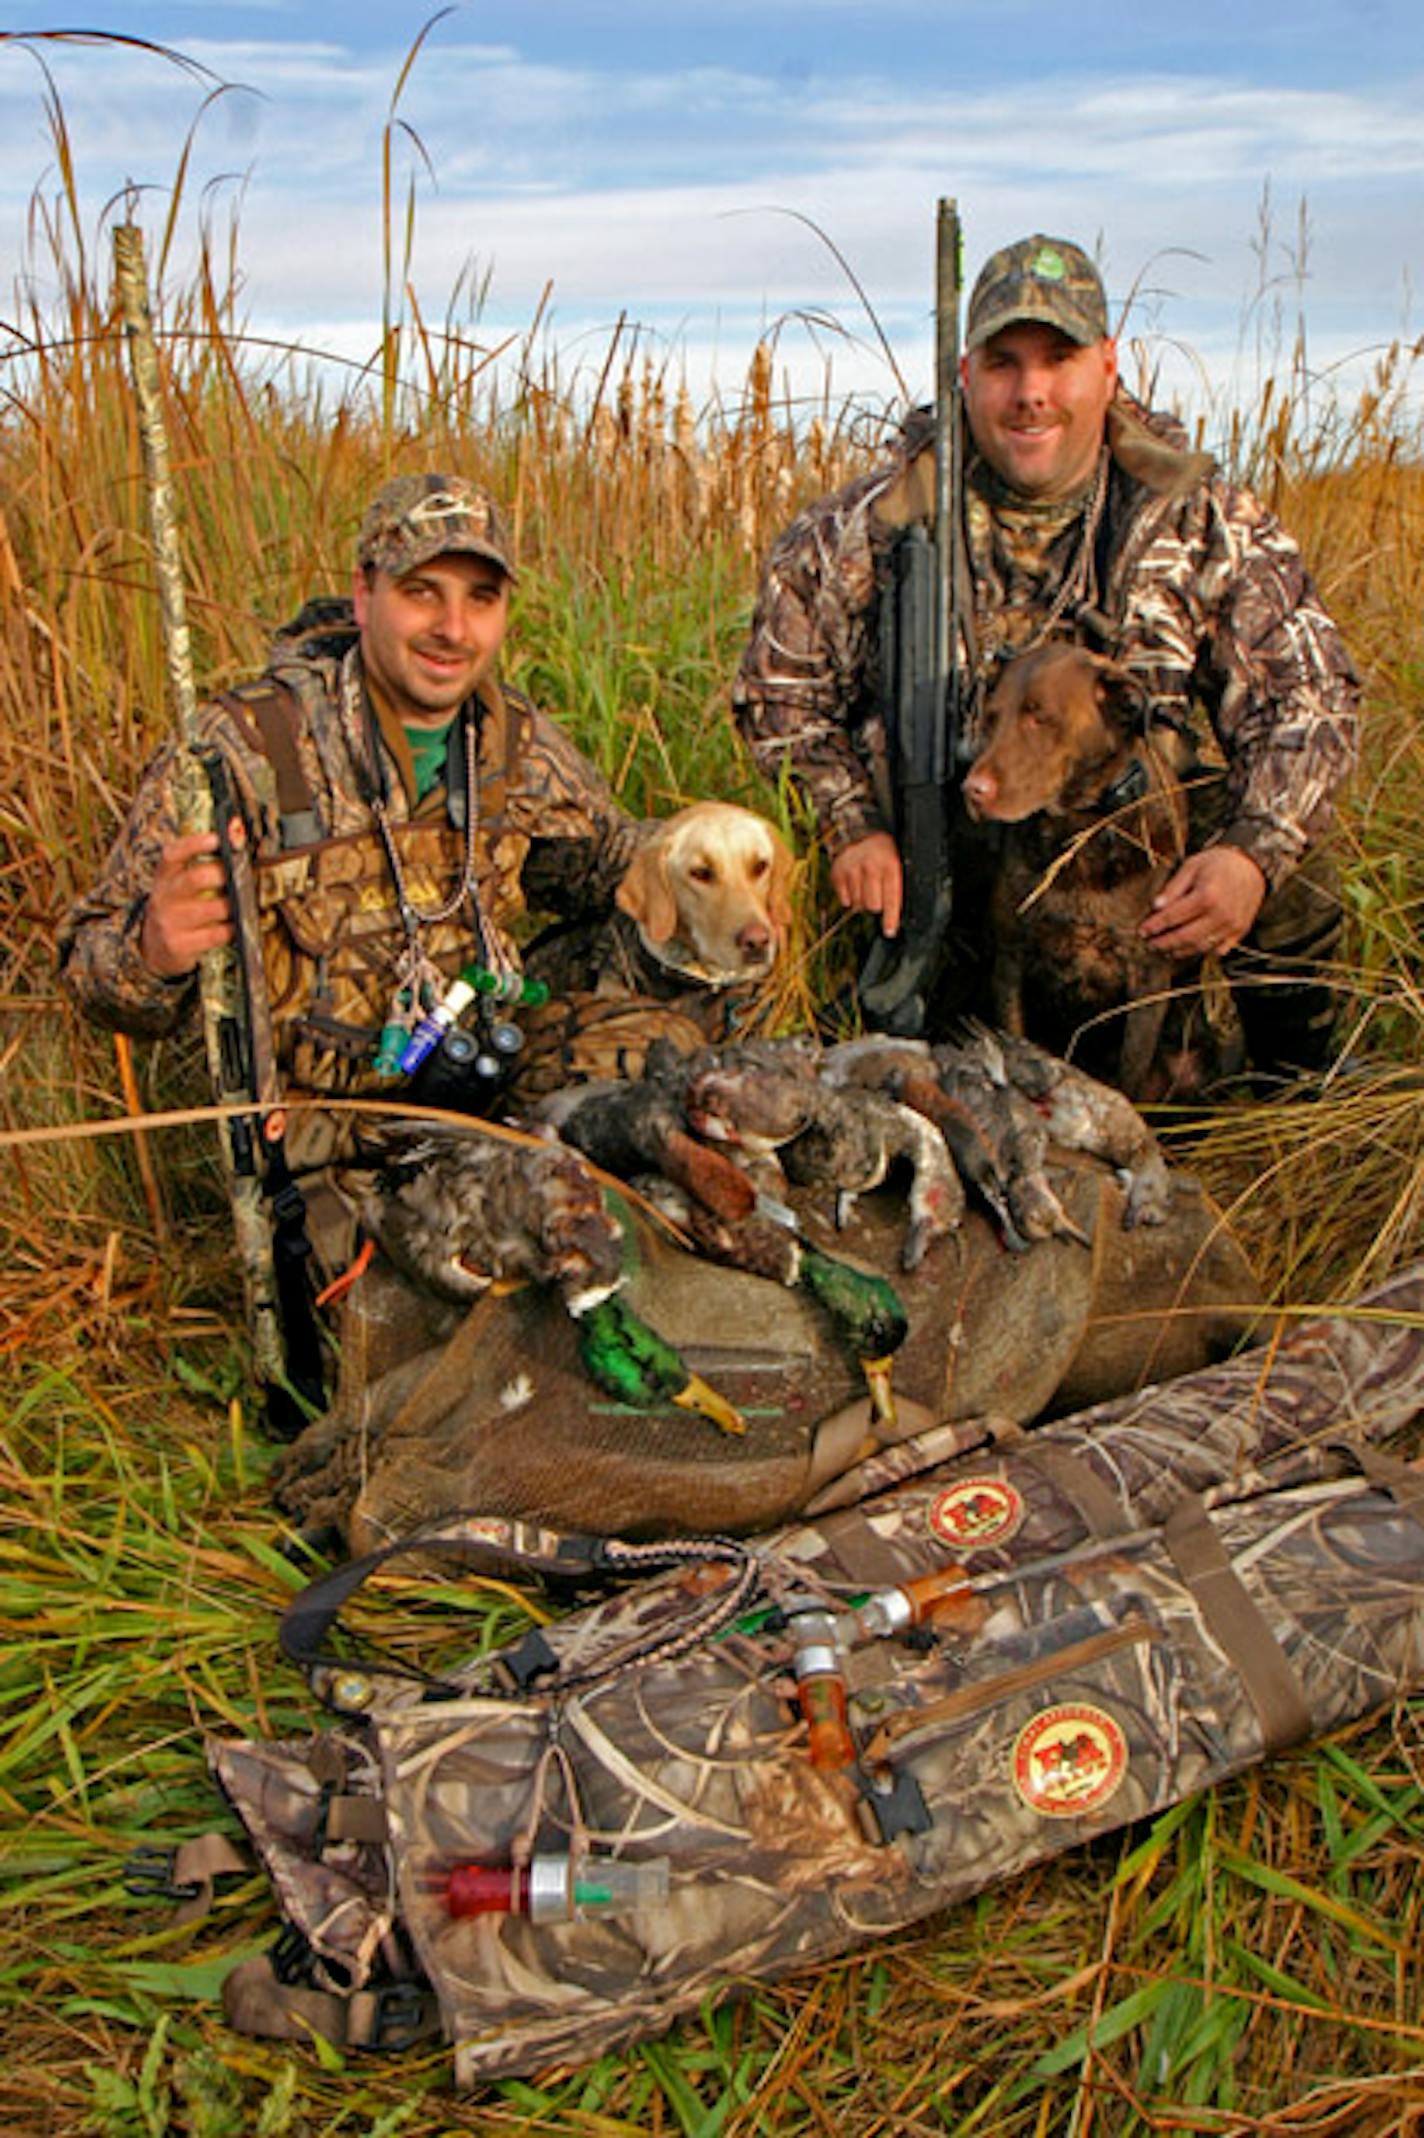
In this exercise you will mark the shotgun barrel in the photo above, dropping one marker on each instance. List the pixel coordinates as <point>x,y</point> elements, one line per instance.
<point>919,654</point>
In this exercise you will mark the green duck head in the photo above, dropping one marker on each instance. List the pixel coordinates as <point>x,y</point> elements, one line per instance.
<point>629,1361</point>
<point>868,1315</point>
<point>864,1306</point>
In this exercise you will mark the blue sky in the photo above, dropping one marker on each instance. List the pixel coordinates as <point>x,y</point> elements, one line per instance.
<point>639,157</point>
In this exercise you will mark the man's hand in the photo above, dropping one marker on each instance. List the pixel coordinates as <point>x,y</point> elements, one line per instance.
<point>188,910</point>
<point>1209,904</point>
<point>868,878</point>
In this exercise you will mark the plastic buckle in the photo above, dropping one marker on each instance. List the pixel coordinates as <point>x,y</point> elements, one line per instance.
<point>531,1658</point>
<point>401,2015</point>
<point>288,1204</point>
<point>148,1875</point>
<point>290,1957</point>
<point>899,1806</point>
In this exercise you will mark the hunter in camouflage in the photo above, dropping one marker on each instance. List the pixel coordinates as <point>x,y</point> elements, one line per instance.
<point>1085,515</point>
<point>308,749</point>
<point>385,811</point>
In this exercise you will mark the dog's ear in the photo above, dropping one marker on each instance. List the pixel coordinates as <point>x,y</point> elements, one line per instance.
<point>778,897</point>
<point>1122,695</point>
<point>646,892</point>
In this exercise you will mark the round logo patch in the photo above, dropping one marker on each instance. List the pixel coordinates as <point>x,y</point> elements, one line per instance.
<point>1048,265</point>
<point>976,1512</point>
<point>1069,1760</point>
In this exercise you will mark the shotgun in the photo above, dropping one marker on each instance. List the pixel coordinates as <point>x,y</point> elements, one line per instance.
<point>919,635</point>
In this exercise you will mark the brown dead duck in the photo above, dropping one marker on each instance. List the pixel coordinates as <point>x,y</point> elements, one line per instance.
<point>906,1070</point>
<point>1018,1137</point>
<point>771,1097</point>
<point>632,1126</point>
<point>463,1212</point>
<point>1084,1115</point>
<point>457,1210</point>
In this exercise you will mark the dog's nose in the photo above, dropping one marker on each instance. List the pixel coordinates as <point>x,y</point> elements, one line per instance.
<point>980,788</point>
<point>754,939</point>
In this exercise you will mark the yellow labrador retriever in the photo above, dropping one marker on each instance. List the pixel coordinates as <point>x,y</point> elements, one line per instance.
<point>709,892</point>
<point>702,913</point>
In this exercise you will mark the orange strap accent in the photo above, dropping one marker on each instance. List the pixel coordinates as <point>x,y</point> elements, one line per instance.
<point>340,1286</point>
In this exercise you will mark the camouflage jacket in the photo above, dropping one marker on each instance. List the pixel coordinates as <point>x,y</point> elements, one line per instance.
<point>1209,600</point>
<point>549,837</point>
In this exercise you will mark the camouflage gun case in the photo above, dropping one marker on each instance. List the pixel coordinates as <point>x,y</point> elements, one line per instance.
<point>1067,1631</point>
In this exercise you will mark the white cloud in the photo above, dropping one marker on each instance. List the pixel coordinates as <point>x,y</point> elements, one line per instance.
<point>647,189</point>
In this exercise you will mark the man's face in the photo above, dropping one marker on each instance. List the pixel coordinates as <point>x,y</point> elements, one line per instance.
<point>431,637</point>
<point>1036,401</point>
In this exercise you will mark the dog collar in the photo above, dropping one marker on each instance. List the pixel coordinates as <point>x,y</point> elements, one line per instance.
<point>1130,786</point>
<point>692,968</point>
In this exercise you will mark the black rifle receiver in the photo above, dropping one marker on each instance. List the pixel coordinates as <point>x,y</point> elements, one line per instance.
<point>919,638</point>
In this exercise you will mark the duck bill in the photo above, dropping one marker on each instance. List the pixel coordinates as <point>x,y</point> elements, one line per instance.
<point>697,1394</point>
<point>878,1386</point>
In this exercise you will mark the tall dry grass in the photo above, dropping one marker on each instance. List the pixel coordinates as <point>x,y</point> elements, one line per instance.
<point>1250,1963</point>
<point>638,521</point>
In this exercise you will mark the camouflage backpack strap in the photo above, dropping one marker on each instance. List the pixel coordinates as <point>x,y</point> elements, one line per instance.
<point>506,717</point>
<point>272,709</point>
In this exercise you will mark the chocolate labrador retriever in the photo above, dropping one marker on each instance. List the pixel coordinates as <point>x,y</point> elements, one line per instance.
<point>1090,790</point>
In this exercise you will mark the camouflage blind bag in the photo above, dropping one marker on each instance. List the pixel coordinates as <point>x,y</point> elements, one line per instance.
<point>760,1754</point>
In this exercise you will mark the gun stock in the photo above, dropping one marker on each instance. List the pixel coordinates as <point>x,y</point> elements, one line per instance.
<point>919,641</point>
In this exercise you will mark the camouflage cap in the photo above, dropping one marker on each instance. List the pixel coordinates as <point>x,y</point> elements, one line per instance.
<point>1038,278</point>
<point>416,517</point>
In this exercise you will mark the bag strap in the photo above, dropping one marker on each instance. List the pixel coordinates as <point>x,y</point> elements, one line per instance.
<point>186,1873</point>
<point>1233,1619</point>
<point>394,2016</point>
<point>1069,1474</point>
<point>483,1544</point>
<point>491,1544</point>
